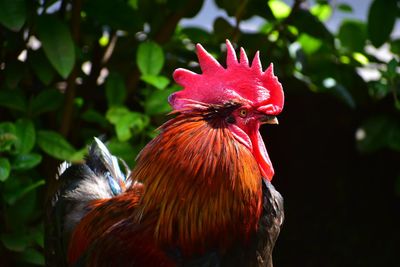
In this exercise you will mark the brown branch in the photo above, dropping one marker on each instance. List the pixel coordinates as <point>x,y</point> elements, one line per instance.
<point>71,84</point>
<point>238,16</point>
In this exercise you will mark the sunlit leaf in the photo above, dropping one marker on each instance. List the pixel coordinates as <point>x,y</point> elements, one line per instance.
<point>360,58</point>
<point>126,122</point>
<point>322,11</point>
<point>57,43</point>
<point>13,14</point>
<point>279,8</point>
<point>309,44</point>
<point>159,82</point>
<point>150,58</point>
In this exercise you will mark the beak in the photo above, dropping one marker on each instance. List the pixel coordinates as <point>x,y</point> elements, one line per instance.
<point>268,119</point>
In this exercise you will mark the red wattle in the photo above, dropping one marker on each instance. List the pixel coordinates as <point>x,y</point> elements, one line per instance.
<point>261,155</point>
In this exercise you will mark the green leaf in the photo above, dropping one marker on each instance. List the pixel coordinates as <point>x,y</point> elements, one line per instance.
<point>379,132</point>
<point>353,35</point>
<point>15,241</point>
<point>150,58</point>
<point>14,73</point>
<point>395,46</point>
<point>37,234</point>
<point>25,132</point>
<point>47,100</point>
<point>279,9</point>
<point>22,190</point>
<point>196,35</point>
<point>55,145</point>
<point>41,66</point>
<point>79,155</point>
<point>8,136</point>
<point>159,82</point>
<point>94,116</point>
<point>118,15</point>
<point>360,58</point>
<point>4,169</point>
<point>305,22</point>
<point>322,11</point>
<point>123,150</point>
<point>26,161</point>
<point>391,71</point>
<point>157,101</point>
<point>13,14</point>
<point>133,4</point>
<point>57,43</point>
<point>343,94</point>
<point>126,122</point>
<point>309,44</point>
<point>32,256</point>
<point>345,8</point>
<point>13,99</point>
<point>115,89</point>
<point>381,19</point>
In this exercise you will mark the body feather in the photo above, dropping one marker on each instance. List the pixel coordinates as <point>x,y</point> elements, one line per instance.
<point>192,198</point>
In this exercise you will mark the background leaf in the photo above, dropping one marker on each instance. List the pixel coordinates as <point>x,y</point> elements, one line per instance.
<point>4,169</point>
<point>13,99</point>
<point>55,145</point>
<point>25,132</point>
<point>381,18</point>
<point>57,44</point>
<point>115,90</point>
<point>159,82</point>
<point>26,161</point>
<point>150,58</point>
<point>13,14</point>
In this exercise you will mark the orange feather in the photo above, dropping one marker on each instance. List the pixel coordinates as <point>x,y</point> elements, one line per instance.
<point>202,189</point>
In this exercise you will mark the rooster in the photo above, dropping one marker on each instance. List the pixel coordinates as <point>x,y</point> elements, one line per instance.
<point>200,193</point>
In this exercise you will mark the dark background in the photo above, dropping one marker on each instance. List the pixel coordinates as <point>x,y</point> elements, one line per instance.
<point>74,69</point>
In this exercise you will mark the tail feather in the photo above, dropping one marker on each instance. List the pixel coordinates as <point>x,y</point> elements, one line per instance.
<point>100,177</point>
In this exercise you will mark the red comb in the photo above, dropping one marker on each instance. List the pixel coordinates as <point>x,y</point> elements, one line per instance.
<point>238,82</point>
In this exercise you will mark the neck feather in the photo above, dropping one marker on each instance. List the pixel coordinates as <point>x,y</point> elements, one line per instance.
<point>205,186</point>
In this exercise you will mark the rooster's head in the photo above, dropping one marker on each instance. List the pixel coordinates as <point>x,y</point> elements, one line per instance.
<point>246,95</point>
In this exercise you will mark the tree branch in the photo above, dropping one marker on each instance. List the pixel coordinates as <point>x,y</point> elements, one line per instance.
<point>71,84</point>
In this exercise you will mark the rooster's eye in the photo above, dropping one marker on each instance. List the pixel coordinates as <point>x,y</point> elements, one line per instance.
<point>243,113</point>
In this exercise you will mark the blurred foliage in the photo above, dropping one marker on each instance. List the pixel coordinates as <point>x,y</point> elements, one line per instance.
<point>71,70</point>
